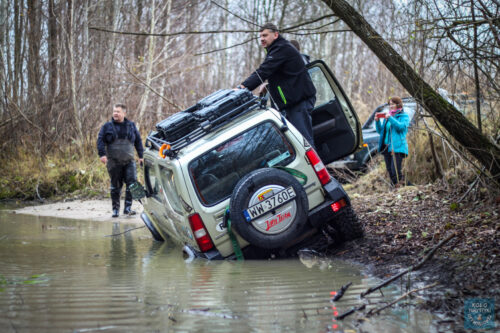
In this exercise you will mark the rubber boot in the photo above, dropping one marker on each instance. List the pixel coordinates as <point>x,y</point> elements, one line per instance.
<point>115,203</point>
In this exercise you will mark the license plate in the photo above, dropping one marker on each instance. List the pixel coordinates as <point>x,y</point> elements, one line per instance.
<point>269,204</point>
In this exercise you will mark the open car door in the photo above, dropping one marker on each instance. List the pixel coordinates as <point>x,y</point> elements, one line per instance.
<point>336,127</point>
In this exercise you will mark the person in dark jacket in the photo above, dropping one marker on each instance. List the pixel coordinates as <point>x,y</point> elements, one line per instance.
<point>115,144</point>
<point>392,143</point>
<point>290,85</point>
<point>305,57</point>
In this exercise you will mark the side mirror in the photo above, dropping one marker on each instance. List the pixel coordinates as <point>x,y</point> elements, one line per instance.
<point>137,191</point>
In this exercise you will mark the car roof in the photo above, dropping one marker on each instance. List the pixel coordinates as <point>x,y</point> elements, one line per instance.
<point>226,132</point>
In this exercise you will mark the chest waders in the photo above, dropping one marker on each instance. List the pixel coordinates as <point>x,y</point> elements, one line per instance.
<point>121,169</point>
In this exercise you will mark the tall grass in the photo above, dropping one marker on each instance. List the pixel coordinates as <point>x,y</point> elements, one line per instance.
<point>26,176</point>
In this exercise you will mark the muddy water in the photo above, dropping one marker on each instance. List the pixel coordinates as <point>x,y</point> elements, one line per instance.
<point>61,275</point>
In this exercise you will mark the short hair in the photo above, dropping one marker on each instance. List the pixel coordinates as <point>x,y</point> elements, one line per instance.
<point>396,100</point>
<point>269,26</point>
<point>296,44</point>
<point>121,106</point>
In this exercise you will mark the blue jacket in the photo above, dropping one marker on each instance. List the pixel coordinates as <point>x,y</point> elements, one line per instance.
<point>107,135</point>
<point>397,127</point>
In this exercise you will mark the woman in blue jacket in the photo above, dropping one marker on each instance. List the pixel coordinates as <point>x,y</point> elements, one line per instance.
<point>392,143</point>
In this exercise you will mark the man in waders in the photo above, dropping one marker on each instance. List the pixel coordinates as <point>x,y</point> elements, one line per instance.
<point>290,85</point>
<point>115,146</point>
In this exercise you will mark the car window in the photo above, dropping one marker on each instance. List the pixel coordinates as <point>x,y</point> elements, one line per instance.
<point>324,92</point>
<point>167,177</point>
<point>152,183</point>
<point>216,173</point>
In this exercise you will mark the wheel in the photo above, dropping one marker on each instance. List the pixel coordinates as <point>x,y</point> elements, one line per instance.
<point>348,225</point>
<point>269,208</point>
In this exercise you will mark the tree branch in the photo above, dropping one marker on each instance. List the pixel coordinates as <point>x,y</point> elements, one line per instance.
<point>235,15</point>
<point>376,311</point>
<point>413,268</point>
<point>226,48</point>
<point>153,90</point>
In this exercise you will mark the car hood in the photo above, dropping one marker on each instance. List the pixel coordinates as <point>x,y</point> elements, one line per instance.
<point>370,136</point>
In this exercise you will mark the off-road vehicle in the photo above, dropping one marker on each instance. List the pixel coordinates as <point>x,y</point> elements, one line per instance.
<point>231,177</point>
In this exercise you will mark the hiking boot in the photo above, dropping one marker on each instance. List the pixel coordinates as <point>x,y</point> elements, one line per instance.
<point>129,211</point>
<point>115,213</point>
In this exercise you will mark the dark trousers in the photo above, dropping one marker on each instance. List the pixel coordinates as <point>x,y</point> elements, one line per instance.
<point>393,164</point>
<point>120,173</point>
<point>300,116</point>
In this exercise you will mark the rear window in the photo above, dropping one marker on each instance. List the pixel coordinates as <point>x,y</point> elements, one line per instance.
<point>170,189</point>
<point>152,183</point>
<point>215,173</point>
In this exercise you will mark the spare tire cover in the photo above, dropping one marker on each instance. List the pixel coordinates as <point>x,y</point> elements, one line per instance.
<point>269,208</point>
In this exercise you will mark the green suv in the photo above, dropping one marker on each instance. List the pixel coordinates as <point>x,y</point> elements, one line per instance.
<point>230,177</point>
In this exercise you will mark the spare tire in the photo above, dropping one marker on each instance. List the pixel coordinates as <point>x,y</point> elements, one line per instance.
<point>269,208</point>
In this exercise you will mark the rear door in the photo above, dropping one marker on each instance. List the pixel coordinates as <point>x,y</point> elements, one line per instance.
<point>336,127</point>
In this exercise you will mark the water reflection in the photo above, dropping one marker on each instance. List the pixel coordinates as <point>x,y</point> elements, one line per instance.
<point>131,283</point>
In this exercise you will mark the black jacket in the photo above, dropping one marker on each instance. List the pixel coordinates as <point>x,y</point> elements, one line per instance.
<point>107,135</point>
<point>283,67</point>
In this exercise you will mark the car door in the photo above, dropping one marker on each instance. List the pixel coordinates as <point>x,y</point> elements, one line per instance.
<point>156,201</point>
<point>336,127</point>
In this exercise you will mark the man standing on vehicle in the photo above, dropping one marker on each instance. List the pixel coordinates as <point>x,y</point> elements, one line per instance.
<point>290,85</point>
<point>115,145</point>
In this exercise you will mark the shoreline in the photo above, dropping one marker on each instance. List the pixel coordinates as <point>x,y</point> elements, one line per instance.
<point>96,210</point>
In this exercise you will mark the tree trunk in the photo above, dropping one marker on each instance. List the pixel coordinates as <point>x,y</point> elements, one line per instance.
<point>72,74</point>
<point>455,123</point>
<point>150,61</point>
<point>52,50</point>
<point>476,71</point>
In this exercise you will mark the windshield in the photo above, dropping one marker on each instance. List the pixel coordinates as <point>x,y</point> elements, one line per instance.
<point>216,173</point>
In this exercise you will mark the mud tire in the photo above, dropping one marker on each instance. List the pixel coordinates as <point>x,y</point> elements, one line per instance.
<point>348,225</point>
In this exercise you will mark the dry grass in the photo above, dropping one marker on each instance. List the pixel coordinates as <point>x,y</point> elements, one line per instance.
<point>27,177</point>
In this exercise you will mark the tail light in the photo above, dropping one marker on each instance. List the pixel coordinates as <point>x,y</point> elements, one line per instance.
<point>337,205</point>
<point>319,167</point>
<point>200,233</point>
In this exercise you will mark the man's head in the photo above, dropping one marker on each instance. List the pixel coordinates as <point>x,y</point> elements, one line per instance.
<point>268,34</point>
<point>295,44</point>
<point>119,111</point>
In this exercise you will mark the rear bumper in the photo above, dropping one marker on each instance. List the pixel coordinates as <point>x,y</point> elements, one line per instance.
<point>191,254</point>
<point>324,213</point>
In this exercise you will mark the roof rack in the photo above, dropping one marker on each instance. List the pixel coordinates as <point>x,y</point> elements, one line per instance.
<point>205,126</point>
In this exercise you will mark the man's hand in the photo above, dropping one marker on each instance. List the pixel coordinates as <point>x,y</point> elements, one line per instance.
<point>104,159</point>
<point>239,87</point>
<point>262,89</point>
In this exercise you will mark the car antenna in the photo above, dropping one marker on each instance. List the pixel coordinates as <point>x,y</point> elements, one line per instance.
<point>276,105</point>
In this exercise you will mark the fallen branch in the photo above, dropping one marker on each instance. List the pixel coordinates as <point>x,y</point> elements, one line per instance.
<point>413,268</point>
<point>376,311</point>
<point>345,314</point>
<point>121,233</point>
<point>340,293</point>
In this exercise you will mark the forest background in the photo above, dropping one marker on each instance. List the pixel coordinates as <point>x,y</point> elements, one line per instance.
<point>63,64</point>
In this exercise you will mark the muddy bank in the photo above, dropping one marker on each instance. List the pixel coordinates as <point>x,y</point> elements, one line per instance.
<point>403,225</point>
